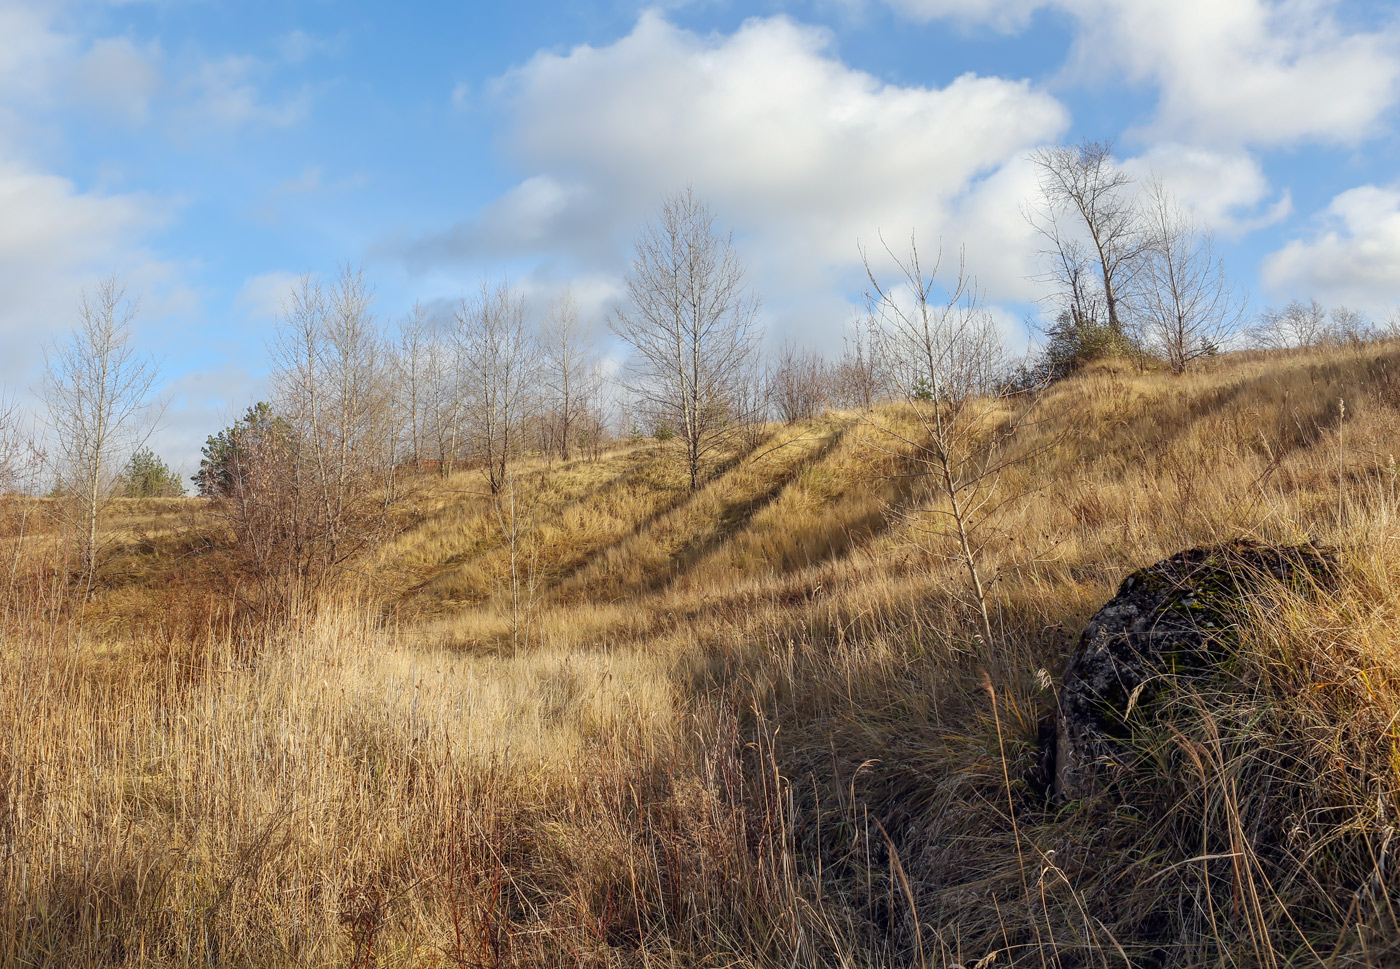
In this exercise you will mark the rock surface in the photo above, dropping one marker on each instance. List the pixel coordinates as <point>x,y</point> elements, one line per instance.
<point>1169,621</point>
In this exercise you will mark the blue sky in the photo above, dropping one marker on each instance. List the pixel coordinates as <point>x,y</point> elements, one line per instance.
<point>212,151</point>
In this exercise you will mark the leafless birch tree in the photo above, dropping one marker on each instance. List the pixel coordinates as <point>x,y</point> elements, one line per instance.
<point>97,389</point>
<point>1078,294</point>
<point>691,324</point>
<point>445,407</point>
<point>937,340</point>
<point>17,448</point>
<point>570,372</point>
<point>21,468</point>
<point>496,357</point>
<point>413,379</point>
<point>1390,328</point>
<point>1298,324</point>
<point>859,377</point>
<point>1350,326</point>
<point>1188,307</point>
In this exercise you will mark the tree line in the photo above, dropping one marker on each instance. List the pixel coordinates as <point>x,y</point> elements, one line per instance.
<point>357,405</point>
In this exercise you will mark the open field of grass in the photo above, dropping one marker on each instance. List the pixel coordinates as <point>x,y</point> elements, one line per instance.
<point>610,722</point>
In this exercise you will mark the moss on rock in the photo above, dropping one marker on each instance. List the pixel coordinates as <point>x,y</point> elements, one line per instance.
<point>1171,621</point>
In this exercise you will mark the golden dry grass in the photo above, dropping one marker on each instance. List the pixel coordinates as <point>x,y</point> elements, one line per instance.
<point>749,726</point>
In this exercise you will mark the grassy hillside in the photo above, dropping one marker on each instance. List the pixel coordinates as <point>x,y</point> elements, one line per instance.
<point>606,721</point>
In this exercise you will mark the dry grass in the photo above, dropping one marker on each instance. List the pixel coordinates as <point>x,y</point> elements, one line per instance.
<point>750,726</point>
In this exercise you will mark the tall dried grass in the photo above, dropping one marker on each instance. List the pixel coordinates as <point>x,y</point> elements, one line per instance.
<point>753,726</point>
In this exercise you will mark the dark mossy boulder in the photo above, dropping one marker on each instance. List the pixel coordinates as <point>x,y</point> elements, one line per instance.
<point>1170,623</point>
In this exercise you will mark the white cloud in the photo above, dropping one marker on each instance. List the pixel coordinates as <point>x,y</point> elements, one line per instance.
<point>1002,248</point>
<point>43,65</point>
<point>53,241</point>
<point>1227,191</point>
<point>298,46</point>
<point>29,50</point>
<point>530,214</point>
<point>1354,260</point>
<point>594,296</point>
<point>32,53</point>
<point>766,122</point>
<point>1229,72</point>
<point>224,92</point>
<point>261,297</point>
<point>118,78</point>
<point>56,238</point>
<point>801,154</point>
<point>541,213</point>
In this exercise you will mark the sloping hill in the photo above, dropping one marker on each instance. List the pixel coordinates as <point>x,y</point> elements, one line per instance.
<point>602,720</point>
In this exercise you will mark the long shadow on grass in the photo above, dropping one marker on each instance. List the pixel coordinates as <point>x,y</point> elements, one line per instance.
<point>557,578</point>
<point>838,536</point>
<point>733,516</point>
<point>627,478</point>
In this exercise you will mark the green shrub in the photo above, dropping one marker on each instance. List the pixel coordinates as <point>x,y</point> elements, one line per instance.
<point>1077,340</point>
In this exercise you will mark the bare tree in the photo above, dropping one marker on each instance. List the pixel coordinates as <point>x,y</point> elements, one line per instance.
<point>444,407</point>
<point>1084,183</point>
<point>331,377</point>
<point>800,383</point>
<point>1390,329</point>
<point>691,324</point>
<point>412,366</point>
<point>628,416</point>
<point>358,364</point>
<point>16,448</point>
<point>750,405</point>
<point>593,431</point>
<point>97,390</point>
<point>858,377</point>
<point>519,525</point>
<point>496,357</point>
<point>1188,307</point>
<point>1347,325</point>
<point>937,340</point>
<point>571,376</point>
<point>256,475</point>
<point>948,354</point>
<point>21,466</point>
<point>1078,296</point>
<point>1298,324</point>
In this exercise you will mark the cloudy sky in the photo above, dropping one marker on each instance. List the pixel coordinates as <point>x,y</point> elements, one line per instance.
<point>210,151</point>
